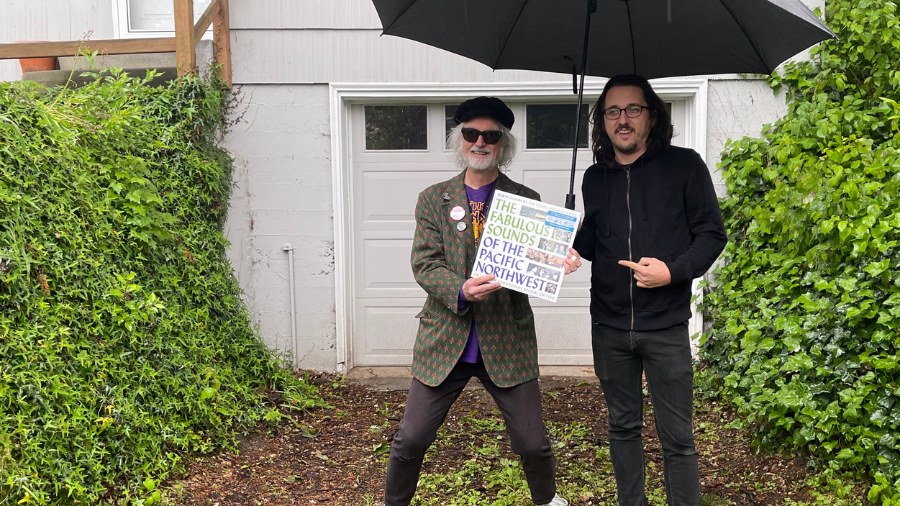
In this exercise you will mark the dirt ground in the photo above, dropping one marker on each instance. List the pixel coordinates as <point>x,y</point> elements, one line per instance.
<point>338,456</point>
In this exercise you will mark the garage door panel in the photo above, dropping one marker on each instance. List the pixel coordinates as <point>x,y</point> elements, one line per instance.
<point>386,267</point>
<point>546,358</point>
<point>410,159</point>
<point>391,331</point>
<point>563,327</point>
<point>563,332</point>
<point>392,195</point>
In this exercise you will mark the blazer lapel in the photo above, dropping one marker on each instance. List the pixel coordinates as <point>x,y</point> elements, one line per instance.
<point>504,183</point>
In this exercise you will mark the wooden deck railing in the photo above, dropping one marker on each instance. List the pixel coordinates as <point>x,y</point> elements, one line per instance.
<point>183,44</point>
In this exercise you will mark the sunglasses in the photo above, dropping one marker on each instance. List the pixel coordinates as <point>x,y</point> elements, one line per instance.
<point>490,136</point>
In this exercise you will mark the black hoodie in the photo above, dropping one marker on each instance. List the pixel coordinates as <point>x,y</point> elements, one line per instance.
<point>663,205</point>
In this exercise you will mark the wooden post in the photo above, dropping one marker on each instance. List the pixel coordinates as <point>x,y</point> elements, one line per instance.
<point>185,45</point>
<point>222,41</point>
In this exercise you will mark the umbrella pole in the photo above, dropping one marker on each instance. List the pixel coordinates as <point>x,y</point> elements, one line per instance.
<point>591,8</point>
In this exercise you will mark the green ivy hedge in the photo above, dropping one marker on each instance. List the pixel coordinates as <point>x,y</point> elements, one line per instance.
<point>124,343</point>
<point>806,312</point>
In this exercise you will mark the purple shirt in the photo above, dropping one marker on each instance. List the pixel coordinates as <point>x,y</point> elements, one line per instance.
<point>479,202</point>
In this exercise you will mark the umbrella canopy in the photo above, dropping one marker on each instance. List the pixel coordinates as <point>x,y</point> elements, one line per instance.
<point>652,38</point>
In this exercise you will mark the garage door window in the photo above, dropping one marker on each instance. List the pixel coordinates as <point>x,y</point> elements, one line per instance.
<point>396,127</point>
<point>552,126</point>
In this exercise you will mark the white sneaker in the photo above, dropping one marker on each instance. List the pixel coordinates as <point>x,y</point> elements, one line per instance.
<point>557,501</point>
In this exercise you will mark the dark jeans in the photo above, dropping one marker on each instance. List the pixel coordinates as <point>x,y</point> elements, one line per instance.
<point>620,356</point>
<point>426,408</point>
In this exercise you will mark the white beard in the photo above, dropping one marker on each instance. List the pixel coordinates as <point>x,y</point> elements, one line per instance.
<point>478,163</point>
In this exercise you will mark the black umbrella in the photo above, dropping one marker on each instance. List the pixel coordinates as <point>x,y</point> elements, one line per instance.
<point>651,38</point>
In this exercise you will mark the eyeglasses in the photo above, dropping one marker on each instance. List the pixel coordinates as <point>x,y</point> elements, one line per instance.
<point>490,136</point>
<point>631,110</point>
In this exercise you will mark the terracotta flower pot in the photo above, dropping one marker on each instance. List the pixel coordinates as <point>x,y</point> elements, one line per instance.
<point>37,64</point>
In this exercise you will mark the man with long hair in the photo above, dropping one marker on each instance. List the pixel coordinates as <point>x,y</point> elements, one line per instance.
<point>471,327</point>
<point>652,224</point>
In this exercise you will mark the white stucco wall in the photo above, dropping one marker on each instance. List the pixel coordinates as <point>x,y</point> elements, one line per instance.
<point>737,108</point>
<point>282,194</point>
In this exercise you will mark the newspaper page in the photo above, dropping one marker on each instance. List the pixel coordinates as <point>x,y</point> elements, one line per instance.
<point>525,243</point>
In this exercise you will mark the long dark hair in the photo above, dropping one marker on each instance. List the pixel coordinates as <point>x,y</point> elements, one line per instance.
<point>660,133</point>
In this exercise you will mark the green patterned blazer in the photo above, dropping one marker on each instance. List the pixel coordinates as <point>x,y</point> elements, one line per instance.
<point>442,260</point>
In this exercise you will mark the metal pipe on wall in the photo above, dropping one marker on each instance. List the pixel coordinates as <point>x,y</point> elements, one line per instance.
<point>290,251</point>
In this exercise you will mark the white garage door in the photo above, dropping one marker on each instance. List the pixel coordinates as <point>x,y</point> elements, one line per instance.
<point>399,149</point>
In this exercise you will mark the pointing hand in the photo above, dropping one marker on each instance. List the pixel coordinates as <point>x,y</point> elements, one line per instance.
<point>649,272</point>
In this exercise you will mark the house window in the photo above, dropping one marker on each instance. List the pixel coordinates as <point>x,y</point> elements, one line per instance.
<point>150,18</point>
<point>396,127</point>
<point>552,126</point>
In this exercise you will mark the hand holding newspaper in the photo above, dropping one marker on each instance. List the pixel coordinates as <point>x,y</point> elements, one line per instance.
<point>525,243</point>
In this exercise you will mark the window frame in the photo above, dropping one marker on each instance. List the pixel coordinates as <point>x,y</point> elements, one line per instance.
<point>122,29</point>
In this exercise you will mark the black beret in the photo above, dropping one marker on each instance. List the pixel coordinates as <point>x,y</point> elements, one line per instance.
<point>490,107</point>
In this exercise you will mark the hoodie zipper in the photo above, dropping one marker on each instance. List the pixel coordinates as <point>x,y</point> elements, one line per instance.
<point>630,255</point>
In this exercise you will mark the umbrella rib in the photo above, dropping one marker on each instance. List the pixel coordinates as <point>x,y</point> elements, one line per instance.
<point>509,35</point>
<point>634,64</point>
<point>384,29</point>
<point>746,36</point>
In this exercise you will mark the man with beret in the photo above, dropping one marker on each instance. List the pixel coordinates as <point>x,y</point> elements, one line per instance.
<point>471,327</point>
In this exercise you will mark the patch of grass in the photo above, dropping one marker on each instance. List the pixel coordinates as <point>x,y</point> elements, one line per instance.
<point>714,500</point>
<point>499,482</point>
<point>479,424</point>
<point>492,474</point>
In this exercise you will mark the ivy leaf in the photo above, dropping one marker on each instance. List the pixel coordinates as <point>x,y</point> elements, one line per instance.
<point>875,269</point>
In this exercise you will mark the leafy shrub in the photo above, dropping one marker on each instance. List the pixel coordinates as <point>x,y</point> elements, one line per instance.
<point>806,313</point>
<point>124,341</point>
